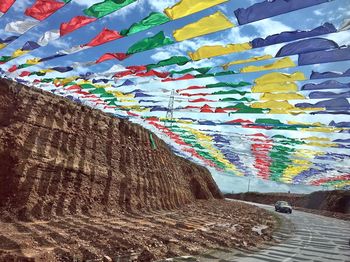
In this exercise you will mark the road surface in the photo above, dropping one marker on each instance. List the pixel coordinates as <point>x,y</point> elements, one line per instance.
<point>315,238</point>
<point>311,238</point>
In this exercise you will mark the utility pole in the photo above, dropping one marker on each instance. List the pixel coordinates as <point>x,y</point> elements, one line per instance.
<point>170,112</point>
<point>248,184</point>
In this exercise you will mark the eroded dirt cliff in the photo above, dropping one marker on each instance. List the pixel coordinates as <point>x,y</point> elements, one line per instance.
<point>60,158</point>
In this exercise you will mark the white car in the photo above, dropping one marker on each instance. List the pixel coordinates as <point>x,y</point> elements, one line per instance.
<point>283,206</point>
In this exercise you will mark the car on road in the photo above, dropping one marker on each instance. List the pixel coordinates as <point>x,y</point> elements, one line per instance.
<point>283,206</point>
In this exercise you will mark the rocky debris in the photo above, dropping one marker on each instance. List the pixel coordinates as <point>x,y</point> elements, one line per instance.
<point>141,236</point>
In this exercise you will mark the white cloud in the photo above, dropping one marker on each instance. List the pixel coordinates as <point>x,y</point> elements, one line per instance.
<point>269,26</point>
<point>20,6</point>
<point>86,2</point>
<point>60,44</point>
<point>318,12</point>
<point>161,5</point>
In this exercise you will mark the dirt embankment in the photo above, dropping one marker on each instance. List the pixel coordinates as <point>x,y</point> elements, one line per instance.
<point>59,158</point>
<point>330,203</point>
<point>78,183</point>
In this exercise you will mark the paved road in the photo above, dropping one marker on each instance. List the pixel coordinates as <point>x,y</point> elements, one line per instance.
<point>311,238</point>
<point>315,238</point>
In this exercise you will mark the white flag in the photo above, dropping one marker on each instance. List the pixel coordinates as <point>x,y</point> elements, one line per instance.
<point>73,50</point>
<point>49,36</point>
<point>20,27</point>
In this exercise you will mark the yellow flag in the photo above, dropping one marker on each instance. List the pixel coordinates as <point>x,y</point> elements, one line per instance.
<point>273,105</point>
<point>33,61</point>
<point>122,95</point>
<point>321,129</point>
<point>276,77</point>
<point>303,123</point>
<point>285,62</point>
<point>275,87</point>
<point>209,24</point>
<point>126,100</point>
<point>46,71</point>
<point>188,7</point>
<point>252,59</point>
<point>18,53</point>
<point>342,184</point>
<point>2,46</point>
<point>217,50</point>
<point>318,144</point>
<point>283,96</point>
<point>316,138</point>
<point>65,80</point>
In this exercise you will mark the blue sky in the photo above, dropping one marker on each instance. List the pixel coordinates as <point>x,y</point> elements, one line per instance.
<point>306,19</point>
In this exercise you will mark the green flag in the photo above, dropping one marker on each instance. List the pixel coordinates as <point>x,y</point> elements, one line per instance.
<point>99,91</point>
<point>230,92</point>
<point>150,21</point>
<point>224,84</point>
<point>231,99</point>
<point>24,66</point>
<point>47,80</point>
<point>107,95</point>
<point>113,102</point>
<point>215,74</point>
<point>280,161</point>
<point>268,121</point>
<point>87,86</point>
<point>202,70</point>
<point>5,59</point>
<point>106,7</point>
<point>149,43</point>
<point>175,60</point>
<point>38,73</point>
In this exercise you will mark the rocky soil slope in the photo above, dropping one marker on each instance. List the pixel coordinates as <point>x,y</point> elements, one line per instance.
<point>60,158</point>
<point>78,183</point>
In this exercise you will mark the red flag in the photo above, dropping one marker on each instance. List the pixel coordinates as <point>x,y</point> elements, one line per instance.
<point>185,77</point>
<point>5,5</point>
<point>199,100</point>
<point>73,87</point>
<point>132,114</point>
<point>12,69</point>
<point>42,9</point>
<point>110,56</point>
<point>74,24</point>
<point>123,73</point>
<point>153,73</point>
<point>104,37</point>
<point>220,110</point>
<point>24,73</point>
<point>136,68</point>
<point>82,92</point>
<point>207,109</point>
<point>239,121</point>
<point>190,87</point>
<point>196,94</point>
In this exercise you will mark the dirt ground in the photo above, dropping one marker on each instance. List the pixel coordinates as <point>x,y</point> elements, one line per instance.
<point>190,230</point>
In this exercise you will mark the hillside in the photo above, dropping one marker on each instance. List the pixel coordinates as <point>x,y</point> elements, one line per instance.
<point>78,183</point>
